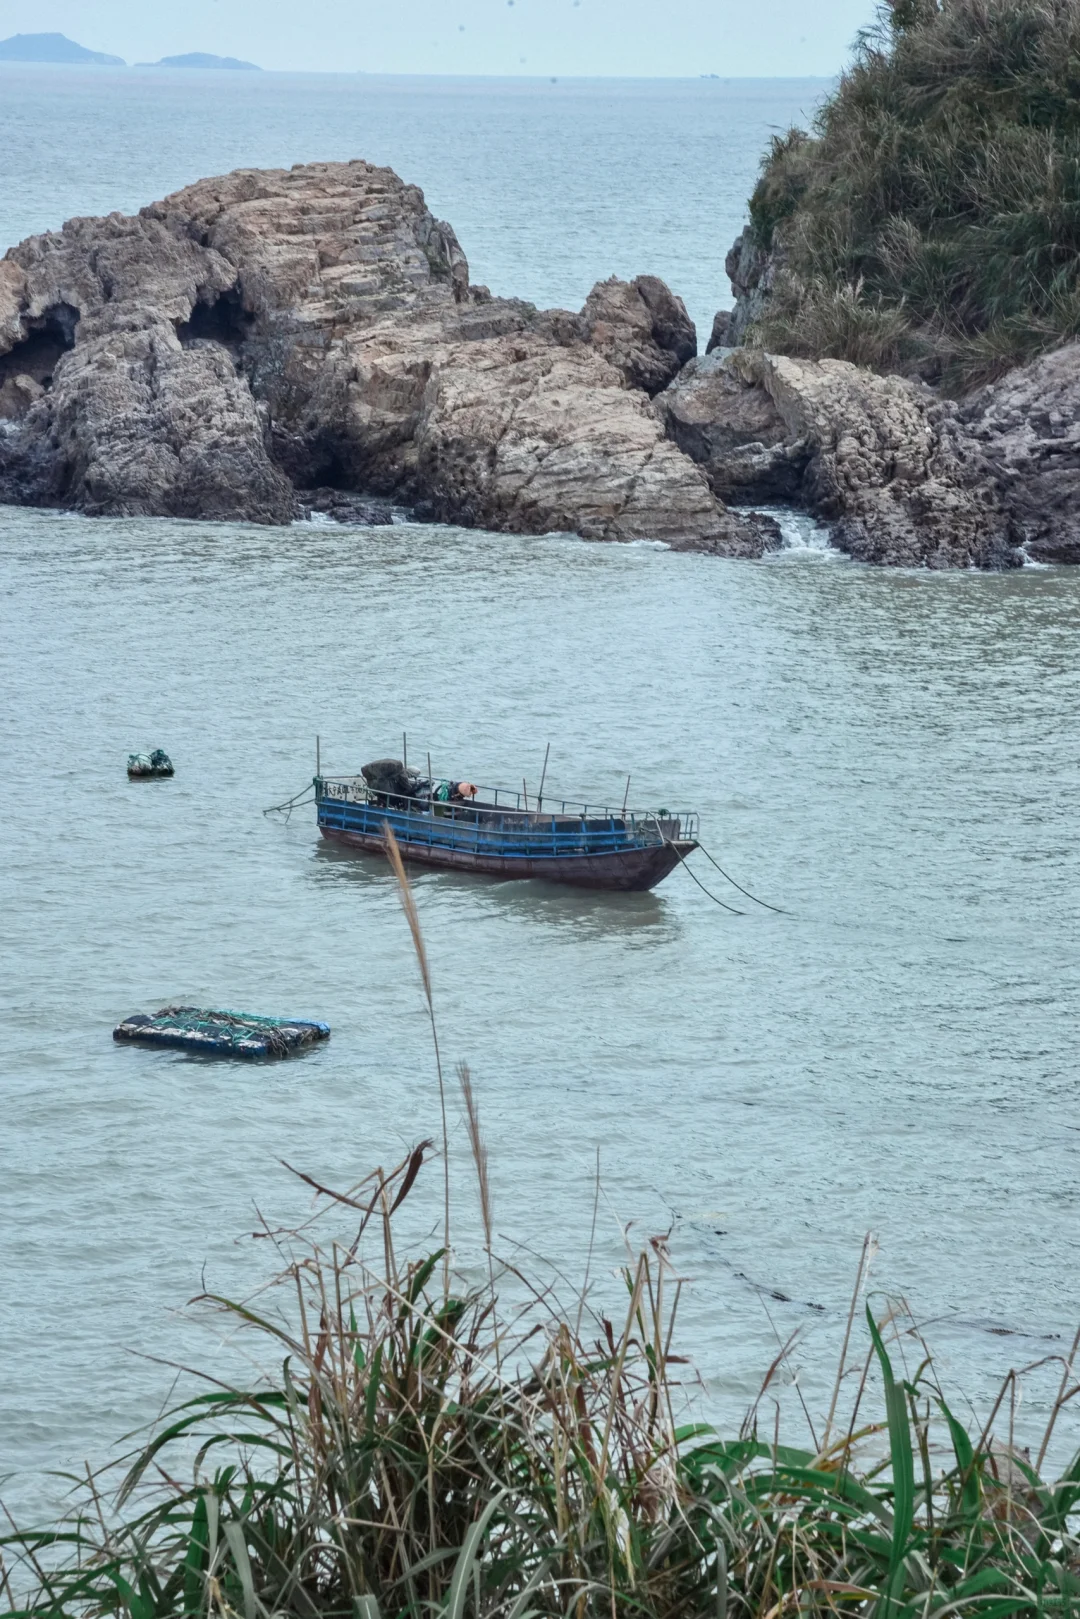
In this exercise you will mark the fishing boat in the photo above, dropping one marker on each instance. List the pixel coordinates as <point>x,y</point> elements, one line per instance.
<point>501,833</point>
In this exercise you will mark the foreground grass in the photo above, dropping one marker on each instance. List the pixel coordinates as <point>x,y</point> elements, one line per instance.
<point>419,1454</point>
<point>931,223</point>
<point>427,1450</point>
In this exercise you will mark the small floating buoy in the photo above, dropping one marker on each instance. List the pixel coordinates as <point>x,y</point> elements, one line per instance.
<point>221,1034</point>
<point>148,766</point>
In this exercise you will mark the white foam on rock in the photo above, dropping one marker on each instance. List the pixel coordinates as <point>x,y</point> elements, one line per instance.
<point>802,535</point>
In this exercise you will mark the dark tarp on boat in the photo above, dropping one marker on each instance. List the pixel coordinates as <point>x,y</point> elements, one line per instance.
<point>393,781</point>
<point>391,776</point>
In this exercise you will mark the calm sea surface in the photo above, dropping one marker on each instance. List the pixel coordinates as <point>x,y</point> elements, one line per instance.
<point>890,757</point>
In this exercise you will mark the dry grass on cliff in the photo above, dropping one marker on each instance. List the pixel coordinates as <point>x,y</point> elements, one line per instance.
<point>931,223</point>
<point>427,1450</point>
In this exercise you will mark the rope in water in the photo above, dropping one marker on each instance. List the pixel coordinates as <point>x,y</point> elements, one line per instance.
<point>708,892</point>
<point>742,890</point>
<point>290,804</point>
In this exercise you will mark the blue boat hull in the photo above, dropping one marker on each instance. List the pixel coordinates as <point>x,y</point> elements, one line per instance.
<point>630,869</point>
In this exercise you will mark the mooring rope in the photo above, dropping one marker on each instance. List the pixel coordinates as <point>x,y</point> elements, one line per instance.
<point>708,891</point>
<point>681,858</point>
<point>739,886</point>
<point>290,804</point>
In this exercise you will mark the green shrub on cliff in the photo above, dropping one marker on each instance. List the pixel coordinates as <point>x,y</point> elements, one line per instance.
<point>931,222</point>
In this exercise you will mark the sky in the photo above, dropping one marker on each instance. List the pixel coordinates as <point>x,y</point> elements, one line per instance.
<point>634,38</point>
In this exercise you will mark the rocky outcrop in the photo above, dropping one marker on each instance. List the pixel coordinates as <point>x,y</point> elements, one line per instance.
<point>642,328</point>
<point>903,474</point>
<point>888,465</point>
<point>1027,427</point>
<point>531,399</point>
<point>131,419</point>
<point>752,271</point>
<point>727,421</point>
<point>271,332</point>
<point>901,484</point>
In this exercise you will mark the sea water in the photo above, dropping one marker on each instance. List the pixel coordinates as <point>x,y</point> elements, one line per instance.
<point>889,757</point>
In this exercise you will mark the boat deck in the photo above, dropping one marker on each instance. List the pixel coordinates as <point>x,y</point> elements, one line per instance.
<point>499,833</point>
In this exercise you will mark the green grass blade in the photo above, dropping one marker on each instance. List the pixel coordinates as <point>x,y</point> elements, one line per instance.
<point>234,1539</point>
<point>469,1557</point>
<point>901,1455</point>
<point>965,1462</point>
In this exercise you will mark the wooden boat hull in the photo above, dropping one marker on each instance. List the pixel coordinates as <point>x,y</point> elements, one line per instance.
<point>627,871</point>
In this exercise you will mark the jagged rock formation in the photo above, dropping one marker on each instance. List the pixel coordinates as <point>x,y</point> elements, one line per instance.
<point>890,466</point>
<point>1027,426</point>
<point>267,333</point>
<point>752,272</point>
<point>726,421</point>
<point>643,329</point>
<point>902,472</point>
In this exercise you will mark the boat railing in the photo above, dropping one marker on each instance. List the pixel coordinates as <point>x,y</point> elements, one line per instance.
<point>503,820</point>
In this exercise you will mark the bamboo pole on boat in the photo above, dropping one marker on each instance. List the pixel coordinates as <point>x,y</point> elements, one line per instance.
<point>525,793</point>
<point>626,797</point>
<point>318,755</point>
<point>405,749</point>
<point>543,778</point>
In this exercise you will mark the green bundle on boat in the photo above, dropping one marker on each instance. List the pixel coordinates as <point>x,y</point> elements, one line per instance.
<point>221,1034</point>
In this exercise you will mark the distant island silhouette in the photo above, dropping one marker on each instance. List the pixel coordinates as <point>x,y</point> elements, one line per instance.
<point>53,48</point>
<point>203,59</point>
<point>58,48</point>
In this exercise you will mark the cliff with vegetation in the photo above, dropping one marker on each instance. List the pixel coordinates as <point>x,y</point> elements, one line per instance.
<point>930,223</point>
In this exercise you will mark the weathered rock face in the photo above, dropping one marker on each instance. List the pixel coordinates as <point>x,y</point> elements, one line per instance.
<point>527,397</point>
<point>889,469</point>
<point>133,420</point>
<point>752,272</point>
<point>1027,427</point>
<point>730,425</point>
<point>903,474</point>
<point>270,332</point>
<point>881,459</point>
<point>642,328</point>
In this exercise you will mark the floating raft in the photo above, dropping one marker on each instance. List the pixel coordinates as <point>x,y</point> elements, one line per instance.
<point>221,1034</point>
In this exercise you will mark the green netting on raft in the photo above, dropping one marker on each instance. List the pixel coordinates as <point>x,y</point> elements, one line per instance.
<point>224,1033</point>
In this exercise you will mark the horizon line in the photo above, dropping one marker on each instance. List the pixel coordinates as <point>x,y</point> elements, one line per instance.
<point>389,73</point>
